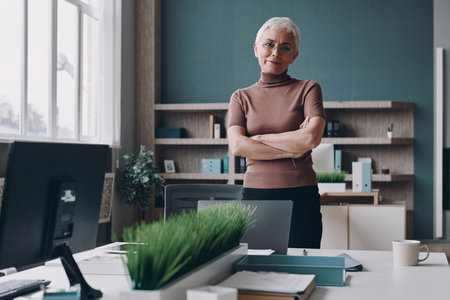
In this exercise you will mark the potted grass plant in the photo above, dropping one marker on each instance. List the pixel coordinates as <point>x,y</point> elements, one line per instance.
<point>331,181</point>
<point>165,258</point>
<point>139,181</point>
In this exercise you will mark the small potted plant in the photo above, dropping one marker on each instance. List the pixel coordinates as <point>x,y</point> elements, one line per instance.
<point>331,182</point>
<point>139,180</point>
<point>389,130</point>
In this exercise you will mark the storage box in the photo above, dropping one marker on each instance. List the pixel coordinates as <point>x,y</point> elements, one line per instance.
<point>166,132</point>
<point>328,270</point>
<point>211,165</point>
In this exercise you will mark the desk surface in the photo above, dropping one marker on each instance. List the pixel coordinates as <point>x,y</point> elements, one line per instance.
<point>379,280</point>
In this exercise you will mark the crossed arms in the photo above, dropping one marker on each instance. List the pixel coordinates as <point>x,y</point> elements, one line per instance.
<point>290,144</point>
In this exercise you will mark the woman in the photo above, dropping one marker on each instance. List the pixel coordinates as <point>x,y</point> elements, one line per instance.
<point>275,123</point>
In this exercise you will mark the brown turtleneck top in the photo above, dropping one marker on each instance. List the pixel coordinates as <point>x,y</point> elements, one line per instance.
<point>275,104</point>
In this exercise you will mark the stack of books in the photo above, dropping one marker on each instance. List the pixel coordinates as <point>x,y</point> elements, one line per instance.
<point>271,285</point>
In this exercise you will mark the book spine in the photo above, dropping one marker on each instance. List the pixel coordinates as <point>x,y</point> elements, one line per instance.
<point>264,296</point>
<point>242,164</point>
<point>329,128</point>
<point>225,168</point>
<point>337,160</point>
<point>336,129</point>
<point>217,130</point>
<point>212,121</point>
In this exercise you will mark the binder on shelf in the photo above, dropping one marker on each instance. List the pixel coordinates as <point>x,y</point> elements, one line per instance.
<point>337,160</point>
<point>217,130</point>
<point>329,128</point>
<point>336,128</point>
<point>212,121</point>
<point>242,165</point>
<point>361,176</point>
<point>225,162</point>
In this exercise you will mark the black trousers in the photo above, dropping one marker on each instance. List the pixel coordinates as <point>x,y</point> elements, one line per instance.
<point>306,223</point>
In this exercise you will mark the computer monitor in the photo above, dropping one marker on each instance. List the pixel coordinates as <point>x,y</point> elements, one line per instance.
<point>51,203</point>
<point>323,158</point>
<point>269,225</point>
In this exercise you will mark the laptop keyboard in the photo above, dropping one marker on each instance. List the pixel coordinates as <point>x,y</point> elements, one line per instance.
<point>16,287</point>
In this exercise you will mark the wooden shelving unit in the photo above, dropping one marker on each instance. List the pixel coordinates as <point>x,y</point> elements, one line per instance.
<point>363,134</point>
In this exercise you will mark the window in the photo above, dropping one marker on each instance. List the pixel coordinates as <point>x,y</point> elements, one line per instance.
<point>60,70</point>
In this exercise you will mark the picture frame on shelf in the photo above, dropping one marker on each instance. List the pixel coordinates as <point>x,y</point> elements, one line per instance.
<point>169,166</point>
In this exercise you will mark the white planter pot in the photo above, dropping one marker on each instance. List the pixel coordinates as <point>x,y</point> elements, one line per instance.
<point>210,273</point>
<point>331,187</point>
<point>389,134</point>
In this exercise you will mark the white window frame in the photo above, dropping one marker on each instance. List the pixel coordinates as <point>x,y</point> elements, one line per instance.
<point>108,104</point>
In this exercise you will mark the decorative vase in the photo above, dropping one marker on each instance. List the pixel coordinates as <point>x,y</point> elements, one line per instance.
<point>209,273</point>
<point>389,134</point>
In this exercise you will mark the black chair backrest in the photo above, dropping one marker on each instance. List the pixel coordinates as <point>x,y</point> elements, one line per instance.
<point>184,197</point>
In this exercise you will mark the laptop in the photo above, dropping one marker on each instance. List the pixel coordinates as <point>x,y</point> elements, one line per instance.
<point>271,226</point>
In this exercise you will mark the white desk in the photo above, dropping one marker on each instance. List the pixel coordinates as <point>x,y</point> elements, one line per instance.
<point>379,280</point>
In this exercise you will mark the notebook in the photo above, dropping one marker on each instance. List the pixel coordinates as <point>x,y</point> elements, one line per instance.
<point>271,226</point>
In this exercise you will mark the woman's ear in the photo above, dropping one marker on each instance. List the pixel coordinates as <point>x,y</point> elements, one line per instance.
<point>295,55</point>
<point>255,49</point>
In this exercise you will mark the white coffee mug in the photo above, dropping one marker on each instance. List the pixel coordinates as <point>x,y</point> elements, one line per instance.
<point>406,252</point>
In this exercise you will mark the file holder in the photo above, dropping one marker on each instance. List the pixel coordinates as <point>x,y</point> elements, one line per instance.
<point>328,270</point>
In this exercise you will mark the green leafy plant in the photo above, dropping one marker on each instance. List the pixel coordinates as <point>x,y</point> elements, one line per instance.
<point>390,127</point>
<point>165,250</point>
<point>139,178</point>
<point>331,177</point>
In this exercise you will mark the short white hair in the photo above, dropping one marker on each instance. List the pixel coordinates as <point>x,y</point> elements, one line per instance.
<point>280,22</point>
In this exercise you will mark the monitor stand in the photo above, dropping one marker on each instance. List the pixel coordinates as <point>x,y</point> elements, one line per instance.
<point>74,274</point>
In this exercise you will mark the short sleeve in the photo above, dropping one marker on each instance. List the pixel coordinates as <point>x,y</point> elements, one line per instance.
<point>236,114</point>
<point>314,102</point>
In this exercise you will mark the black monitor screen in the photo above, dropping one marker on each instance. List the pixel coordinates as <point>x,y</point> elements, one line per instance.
<point>52,196</point>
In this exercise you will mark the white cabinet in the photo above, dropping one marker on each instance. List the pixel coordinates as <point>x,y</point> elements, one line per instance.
<point>334,221</point>
<point>362,227</point>
<point>373,227</point>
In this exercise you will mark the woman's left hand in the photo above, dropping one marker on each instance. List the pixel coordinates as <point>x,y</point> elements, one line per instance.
<point>305,123</point>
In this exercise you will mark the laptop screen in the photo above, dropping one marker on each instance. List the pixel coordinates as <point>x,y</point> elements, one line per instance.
<point>270,223</point>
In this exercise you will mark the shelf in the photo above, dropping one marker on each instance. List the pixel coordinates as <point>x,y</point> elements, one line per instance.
<point>195,176</point>
<point>191,141</point>
<point>348,194</point>
<point>367,141</point>
<point>386,177</point>
<point>336,141</point>
<point>192,107</point>
<point>220,106</point>
<point>367,105</point>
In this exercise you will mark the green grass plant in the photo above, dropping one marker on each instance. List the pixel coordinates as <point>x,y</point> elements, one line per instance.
<point>165,250</point>
<point>331,177</point>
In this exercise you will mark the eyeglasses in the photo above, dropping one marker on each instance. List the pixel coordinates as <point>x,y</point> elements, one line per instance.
<point>283,49</point>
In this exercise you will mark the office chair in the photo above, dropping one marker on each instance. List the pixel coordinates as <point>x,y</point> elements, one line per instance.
<point>184,197</point>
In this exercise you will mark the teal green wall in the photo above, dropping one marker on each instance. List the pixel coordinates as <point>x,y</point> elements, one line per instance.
<point>356,50</point>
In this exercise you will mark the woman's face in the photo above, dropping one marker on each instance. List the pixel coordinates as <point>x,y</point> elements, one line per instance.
<point>271,57</point>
